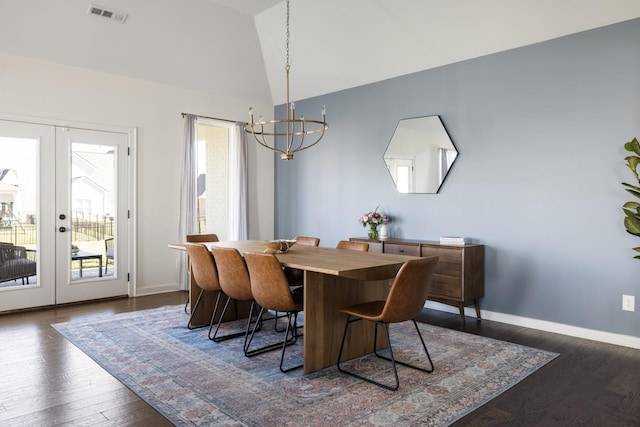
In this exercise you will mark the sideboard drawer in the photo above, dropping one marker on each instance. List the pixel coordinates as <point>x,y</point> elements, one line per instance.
<point>445,286</point>
<point>444,254</point>
<point>449,260</point>
<point>399,249</point>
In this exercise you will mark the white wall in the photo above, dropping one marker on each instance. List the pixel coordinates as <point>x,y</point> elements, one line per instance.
<point>52,91</point>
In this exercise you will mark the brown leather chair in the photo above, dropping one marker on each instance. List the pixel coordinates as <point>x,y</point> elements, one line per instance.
<point>235,283</point>
<point>202,238</point>
<point>405,300</point>
<point>295,276</point>
<point>307,241</point>
<point>353,246</point>
<point>193,238</point>
<point>203,268</point>
<point>271,291</point>
<point>109,254</point>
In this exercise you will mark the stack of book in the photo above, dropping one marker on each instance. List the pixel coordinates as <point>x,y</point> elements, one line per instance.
<point>453,240</point>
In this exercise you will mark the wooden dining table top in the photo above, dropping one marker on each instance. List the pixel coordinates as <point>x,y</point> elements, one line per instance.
<point>336,262</point>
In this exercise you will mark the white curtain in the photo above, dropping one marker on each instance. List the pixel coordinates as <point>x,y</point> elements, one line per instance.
<point>238,172</point>
<point>188,191</point>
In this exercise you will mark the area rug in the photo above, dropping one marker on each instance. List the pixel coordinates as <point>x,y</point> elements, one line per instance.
<point>193,381</point>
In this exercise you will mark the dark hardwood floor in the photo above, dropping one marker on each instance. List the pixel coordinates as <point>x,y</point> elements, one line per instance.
<point>46,381</point>
<point>589,384</point>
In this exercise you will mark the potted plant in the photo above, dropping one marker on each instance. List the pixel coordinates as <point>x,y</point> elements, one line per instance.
<point>632,209</point>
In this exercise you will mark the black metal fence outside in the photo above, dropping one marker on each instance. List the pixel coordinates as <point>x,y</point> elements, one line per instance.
<point>24,234</point>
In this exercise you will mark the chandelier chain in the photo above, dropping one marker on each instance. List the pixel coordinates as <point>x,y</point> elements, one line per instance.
<point>288,34</point>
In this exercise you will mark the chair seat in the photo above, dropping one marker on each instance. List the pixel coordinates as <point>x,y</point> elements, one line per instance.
<point>368,310</point>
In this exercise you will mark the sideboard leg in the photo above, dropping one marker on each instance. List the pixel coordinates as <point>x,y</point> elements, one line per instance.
<point>462,318</point>
<point>477,308</point>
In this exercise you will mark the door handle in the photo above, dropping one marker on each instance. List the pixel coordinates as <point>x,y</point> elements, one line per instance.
<point>62,229</point>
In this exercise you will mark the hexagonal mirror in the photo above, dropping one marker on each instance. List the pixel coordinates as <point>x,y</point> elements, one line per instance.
<point>420,155</point>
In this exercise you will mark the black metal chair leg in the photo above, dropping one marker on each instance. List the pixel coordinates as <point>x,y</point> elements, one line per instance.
<point>215,336</point>
<point>275,322</point>
<point>427,370</point>
<point>391,359</point>
<point>195,309</point>
<point>294,335</point>
<point>270,347</point>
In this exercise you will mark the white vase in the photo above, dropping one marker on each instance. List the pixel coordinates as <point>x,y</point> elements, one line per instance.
<point>383,232</point>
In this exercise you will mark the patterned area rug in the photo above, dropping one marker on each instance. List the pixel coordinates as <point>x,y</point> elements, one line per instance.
<point>194,381</point>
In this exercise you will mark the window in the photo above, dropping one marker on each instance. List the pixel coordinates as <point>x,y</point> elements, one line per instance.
<point>212,178</point>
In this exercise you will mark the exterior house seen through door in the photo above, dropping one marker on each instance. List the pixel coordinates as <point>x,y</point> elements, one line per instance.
<point>64,213</point>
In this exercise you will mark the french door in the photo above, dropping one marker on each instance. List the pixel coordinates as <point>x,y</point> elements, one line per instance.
<point>64,214</point>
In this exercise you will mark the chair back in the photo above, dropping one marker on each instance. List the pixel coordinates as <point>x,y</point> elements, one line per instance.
<point>200,238</point>
<point>232,273</point>
<point>203,266</point>
<point>409,290</point>
<point>268,282</point>
<point>307,241</point>
<point>353,246</point>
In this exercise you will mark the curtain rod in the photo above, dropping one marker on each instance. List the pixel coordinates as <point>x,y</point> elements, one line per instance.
<point>212,118</point>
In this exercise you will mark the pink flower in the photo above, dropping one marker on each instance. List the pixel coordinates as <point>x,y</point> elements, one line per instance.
<point>373,219</point>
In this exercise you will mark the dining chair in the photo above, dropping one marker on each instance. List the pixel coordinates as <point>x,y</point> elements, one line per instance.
<point>271,291</point>
<point>353,246</point>
<point>235,283</point>
<point>203,268</point>
<point>202,238</point>
<point>307,241</point>
<point>406,299</point>
<point>108,251</point>
<point>295,276</point>
<point>195,238</point>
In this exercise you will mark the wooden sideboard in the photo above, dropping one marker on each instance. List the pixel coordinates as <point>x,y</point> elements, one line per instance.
<point>459,276</point>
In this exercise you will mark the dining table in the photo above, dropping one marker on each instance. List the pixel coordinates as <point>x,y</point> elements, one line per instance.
<point>333,278</point>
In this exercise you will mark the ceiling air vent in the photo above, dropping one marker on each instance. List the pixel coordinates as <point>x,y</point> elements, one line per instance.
<point>112,15</point>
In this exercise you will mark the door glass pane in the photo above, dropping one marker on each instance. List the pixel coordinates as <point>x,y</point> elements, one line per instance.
<point>92,211</point>
<point>18,204</point>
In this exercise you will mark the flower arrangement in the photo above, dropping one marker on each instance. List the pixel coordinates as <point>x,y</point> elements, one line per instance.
<point>373,220</point>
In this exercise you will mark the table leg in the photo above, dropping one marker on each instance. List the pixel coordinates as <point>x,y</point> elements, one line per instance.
<point>100,266</point>
<point>80,268</point>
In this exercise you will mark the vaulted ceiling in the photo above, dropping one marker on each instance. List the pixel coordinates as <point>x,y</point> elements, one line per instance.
<point>235,48</point>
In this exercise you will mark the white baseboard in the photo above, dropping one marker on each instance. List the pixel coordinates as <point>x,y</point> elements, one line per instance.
<point>158,289</point>
<point>543,325</point>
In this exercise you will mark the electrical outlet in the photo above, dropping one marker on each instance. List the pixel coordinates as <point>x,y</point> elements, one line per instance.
<point>628,303</point>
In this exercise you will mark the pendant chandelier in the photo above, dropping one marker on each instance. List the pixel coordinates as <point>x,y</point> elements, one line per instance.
<point>299,133</point>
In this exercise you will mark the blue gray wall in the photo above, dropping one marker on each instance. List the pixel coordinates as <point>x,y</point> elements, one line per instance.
<point>540,131</point>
